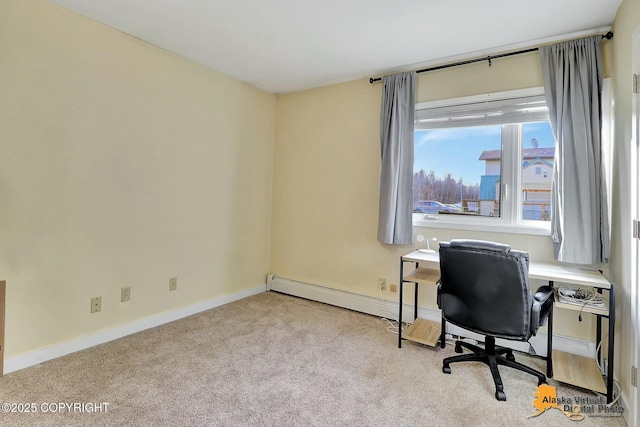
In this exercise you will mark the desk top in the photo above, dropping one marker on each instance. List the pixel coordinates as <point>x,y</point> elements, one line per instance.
<point>421,255</point>
<point>565,273</point>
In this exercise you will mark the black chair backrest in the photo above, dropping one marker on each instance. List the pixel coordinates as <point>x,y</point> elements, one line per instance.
<point>485,288</point>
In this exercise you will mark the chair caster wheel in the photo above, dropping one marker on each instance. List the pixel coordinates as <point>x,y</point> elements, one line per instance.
<point>458,348</point>
<point>446,369</point>
<point>511,357</point>
<point>500,395</point>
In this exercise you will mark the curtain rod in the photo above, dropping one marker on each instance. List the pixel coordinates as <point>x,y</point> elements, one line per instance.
<point>489,58</point>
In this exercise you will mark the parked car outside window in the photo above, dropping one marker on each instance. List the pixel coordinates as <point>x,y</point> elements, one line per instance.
<point>432,207</point>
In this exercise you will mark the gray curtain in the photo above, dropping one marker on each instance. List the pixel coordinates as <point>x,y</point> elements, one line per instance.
<point>572,73</point>
<point>396,144</point>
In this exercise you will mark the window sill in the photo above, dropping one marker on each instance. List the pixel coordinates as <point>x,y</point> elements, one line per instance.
<point>490,225</point>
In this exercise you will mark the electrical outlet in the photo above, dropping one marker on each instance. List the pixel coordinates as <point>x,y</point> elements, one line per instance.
<point>96,304</point>
<point>393,287</point>
<point>125,294</point>
<point>173,283</point>
<point>382,284</point>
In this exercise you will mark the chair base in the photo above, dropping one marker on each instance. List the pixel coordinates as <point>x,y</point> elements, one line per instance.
<point>491,356</point>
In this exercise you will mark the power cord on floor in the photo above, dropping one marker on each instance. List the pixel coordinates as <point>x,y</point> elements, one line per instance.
<point>601,369</point>
<point>392,323</point>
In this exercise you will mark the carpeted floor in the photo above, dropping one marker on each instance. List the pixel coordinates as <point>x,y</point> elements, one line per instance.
<point>275,360</point>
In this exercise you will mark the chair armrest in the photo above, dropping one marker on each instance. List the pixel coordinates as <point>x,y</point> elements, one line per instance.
<point>439,290</point>
<point>541,307</point>
<point>543,293</point>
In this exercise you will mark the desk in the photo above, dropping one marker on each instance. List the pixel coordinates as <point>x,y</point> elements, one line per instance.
<point>580,371</point>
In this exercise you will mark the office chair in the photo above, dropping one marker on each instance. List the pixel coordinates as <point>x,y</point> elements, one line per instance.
<point>484,288</point>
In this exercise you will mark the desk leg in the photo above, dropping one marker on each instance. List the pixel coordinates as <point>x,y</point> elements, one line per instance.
<point>550,339</point>
<point>612,330</point>
<point>550,344</point>
<point>599,334</point>
<point>400,299</point>
<point>415,301</point>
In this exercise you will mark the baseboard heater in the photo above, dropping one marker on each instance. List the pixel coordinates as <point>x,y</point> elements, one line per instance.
<point>389,309</point>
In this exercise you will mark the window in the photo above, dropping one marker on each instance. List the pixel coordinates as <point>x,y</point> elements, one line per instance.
<point>484,162</point>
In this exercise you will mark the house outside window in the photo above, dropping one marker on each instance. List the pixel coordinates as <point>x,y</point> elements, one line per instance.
<point>537,163</point>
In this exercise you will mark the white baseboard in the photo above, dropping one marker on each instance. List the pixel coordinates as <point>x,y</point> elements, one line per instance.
<point>389,309</point>
<point>57,350</point>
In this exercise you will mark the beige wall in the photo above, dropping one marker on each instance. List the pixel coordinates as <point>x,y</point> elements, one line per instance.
<point>121,165</point>
<point>326,176</point>
<point>626,22</point>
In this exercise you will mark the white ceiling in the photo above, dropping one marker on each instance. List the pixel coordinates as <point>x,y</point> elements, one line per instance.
<point>288,45</point>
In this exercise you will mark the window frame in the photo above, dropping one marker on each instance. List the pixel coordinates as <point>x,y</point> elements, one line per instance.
<point>510,220</point>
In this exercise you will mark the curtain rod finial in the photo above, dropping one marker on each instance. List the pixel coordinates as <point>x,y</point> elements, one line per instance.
<point>608,36</point>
